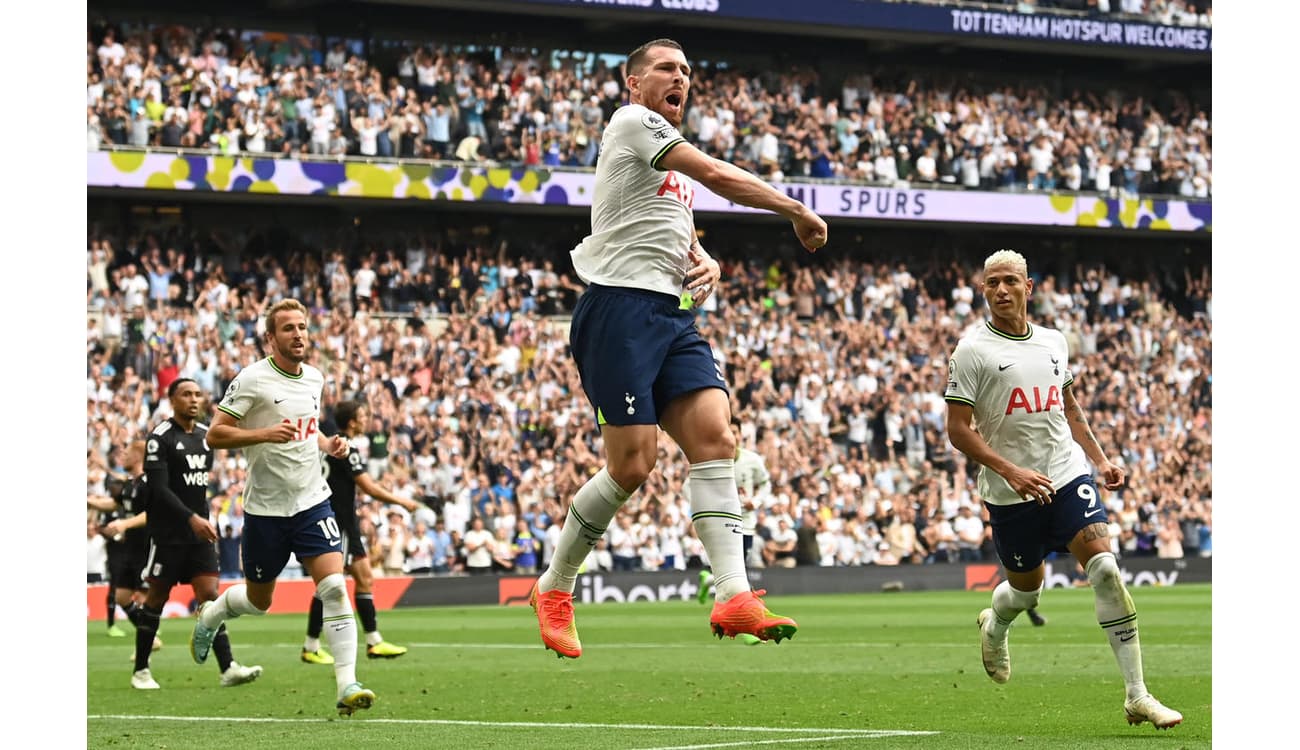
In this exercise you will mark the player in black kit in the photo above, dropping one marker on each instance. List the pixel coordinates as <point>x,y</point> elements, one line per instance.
<point>182,544</point>
<point>344,476</point>
<point>121,521</point>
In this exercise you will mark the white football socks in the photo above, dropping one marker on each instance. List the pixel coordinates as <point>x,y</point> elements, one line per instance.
<point>339,628</point>
<point>715,513</point>
<point>1118,618</point>
<point>1008,603</point>
<point>593,507</point>
<point>232,603</point>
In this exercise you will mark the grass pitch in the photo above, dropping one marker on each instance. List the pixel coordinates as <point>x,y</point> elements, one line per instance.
<point>865,671</point>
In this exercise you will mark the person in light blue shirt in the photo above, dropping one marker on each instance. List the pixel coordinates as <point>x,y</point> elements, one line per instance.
<point>443,549</point>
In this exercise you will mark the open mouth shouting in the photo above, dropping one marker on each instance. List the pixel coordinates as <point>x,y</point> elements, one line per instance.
<point>673,105</point>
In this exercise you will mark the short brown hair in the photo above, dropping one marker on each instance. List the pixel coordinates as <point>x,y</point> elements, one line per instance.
<point>283,305</point>
<point>636,60</point>
<point>344,413</point>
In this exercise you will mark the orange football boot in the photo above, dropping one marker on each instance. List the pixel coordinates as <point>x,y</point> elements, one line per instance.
<point>746,613</point>
<point>555,618</point>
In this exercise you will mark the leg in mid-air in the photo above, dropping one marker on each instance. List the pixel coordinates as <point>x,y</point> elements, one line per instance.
<point>1037,619</point>
<point>1018,539</point>
<point>232,672</point>
<point>589,514</point>
<point>1018,593</point>
<point>617,356</point>
<point>706,580</point>
<point>699,422</point>
<point>236,601</point>
<point>263,556</point>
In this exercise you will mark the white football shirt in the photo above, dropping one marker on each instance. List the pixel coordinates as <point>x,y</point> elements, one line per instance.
<point>283,478</point>
<point>1016,386</point>
<point>641,220</point>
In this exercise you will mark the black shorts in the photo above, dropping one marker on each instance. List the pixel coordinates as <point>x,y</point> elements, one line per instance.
<point>354,546</point>
<point>181,563</point>
<point>126,566</point>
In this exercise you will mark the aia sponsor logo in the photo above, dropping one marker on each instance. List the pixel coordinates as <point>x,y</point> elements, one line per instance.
<point>678,188</point>
<point>1034,400</point>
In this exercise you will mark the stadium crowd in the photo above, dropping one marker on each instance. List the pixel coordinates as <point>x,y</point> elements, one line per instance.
<point>254,92</point>
<point>1167,12</point>
<point>836,369</point>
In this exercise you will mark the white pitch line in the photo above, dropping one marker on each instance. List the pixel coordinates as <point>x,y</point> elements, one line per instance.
<point>837,731</point>
<point>751,743</point>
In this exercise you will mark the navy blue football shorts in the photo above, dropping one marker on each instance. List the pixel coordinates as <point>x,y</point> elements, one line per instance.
<point>636,351</point>
<point>268,540</point>
<point>1024,533</point>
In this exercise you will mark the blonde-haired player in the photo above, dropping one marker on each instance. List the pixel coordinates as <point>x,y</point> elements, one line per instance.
<point>1012,409</point>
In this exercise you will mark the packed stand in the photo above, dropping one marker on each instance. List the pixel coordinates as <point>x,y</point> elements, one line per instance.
<point>836,372</point>
<point>1166,12</point>
<point>255,92</point>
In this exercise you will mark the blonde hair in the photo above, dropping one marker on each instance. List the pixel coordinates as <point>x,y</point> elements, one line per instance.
<point>283,305</point>
<point>1007,258</point>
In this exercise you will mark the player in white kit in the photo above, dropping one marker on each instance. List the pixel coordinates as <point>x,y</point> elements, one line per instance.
<point>1012,409</point>
<point>272,411</point>
<point>642,361</point>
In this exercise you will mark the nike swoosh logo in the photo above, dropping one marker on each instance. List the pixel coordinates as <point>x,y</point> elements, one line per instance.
<point>278,400</point>
<point>1003,367</point>
<point>1093,512</point>
<point>1126,640</point>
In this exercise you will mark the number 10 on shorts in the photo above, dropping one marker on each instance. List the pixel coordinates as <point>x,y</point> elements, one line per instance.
<point>330,528</point>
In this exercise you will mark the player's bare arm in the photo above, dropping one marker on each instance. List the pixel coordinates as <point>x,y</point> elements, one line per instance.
<point>1112,475</point>
<point>737,185</point>
<point>368,485</point>
<point>226,433</point>
<point>1027,483</point>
